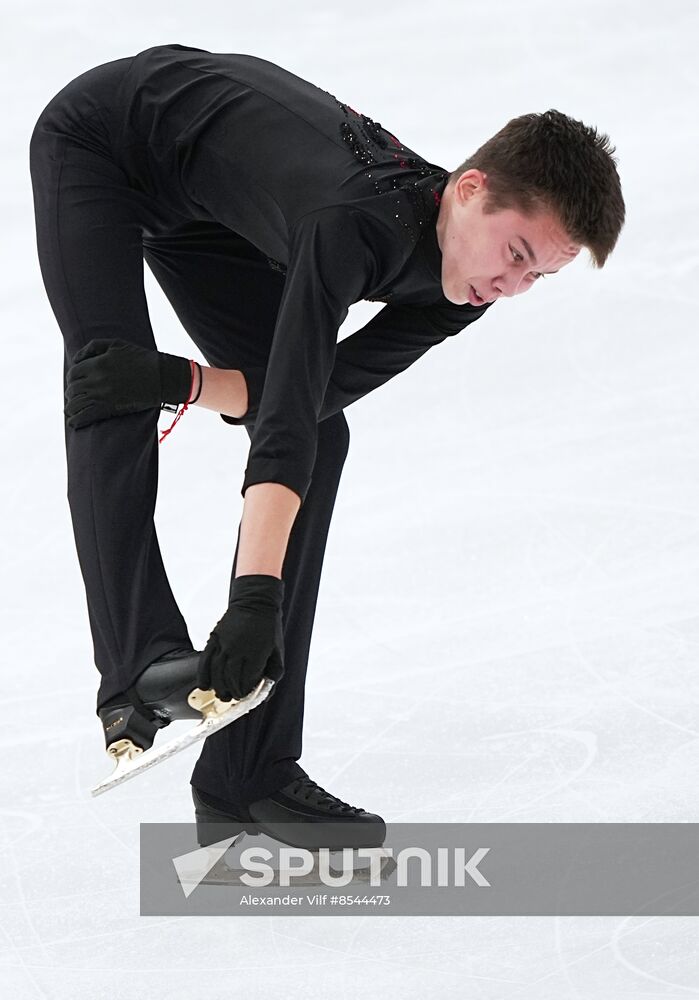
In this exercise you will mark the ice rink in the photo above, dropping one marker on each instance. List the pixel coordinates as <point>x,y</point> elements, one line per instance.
<point>508,622</point>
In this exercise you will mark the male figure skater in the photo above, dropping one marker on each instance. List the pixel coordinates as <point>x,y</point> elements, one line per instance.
<point>264,207</point>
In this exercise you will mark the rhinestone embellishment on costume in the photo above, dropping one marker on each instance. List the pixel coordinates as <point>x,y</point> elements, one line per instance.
<point>276,265</point>
<point>361,133</point>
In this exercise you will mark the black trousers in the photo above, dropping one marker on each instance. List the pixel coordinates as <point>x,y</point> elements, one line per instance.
<point>93,233</point>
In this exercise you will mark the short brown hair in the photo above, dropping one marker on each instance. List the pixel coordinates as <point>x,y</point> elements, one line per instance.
<point>552,162</point>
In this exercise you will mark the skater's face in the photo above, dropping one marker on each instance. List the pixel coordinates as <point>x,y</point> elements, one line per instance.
<point>494,255</point>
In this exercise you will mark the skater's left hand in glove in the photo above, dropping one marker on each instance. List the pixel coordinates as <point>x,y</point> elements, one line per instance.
<point>247,644</point>
<point>110,378</point>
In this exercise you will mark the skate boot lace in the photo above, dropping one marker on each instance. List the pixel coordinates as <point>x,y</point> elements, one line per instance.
<point>308,788</point>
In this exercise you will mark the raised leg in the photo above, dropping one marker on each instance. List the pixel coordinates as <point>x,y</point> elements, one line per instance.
<point>89,241</point>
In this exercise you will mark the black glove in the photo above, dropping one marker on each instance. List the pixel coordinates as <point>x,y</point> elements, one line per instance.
<point>248,642</point>
<point>109,378</point>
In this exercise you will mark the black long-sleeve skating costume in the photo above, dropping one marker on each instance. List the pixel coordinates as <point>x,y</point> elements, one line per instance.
<point>264,207</point>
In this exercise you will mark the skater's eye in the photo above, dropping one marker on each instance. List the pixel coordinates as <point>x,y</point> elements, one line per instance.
<point>519,258</point>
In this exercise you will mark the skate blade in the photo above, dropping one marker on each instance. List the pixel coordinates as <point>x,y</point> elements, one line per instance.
<point>217,714</point>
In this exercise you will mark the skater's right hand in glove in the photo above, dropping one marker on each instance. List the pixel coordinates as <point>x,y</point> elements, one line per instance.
<point>248,642</point>
<point>109,378</point>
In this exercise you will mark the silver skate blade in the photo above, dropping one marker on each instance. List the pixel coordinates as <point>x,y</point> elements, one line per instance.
<point>217,714</point>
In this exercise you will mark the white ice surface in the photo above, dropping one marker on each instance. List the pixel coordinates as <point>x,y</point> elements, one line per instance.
<point>508,623</point>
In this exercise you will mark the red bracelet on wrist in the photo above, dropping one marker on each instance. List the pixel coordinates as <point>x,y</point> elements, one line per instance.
<point>189,400</point>
<point>201,381</point>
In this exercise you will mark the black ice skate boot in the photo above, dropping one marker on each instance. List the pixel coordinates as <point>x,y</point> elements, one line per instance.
<point>166,691</point>
<point>157,698</point>
<point>301,814</point>
<point>217,820</point>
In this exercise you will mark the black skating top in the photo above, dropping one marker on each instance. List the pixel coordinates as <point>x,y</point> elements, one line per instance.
<point>329,196</point>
